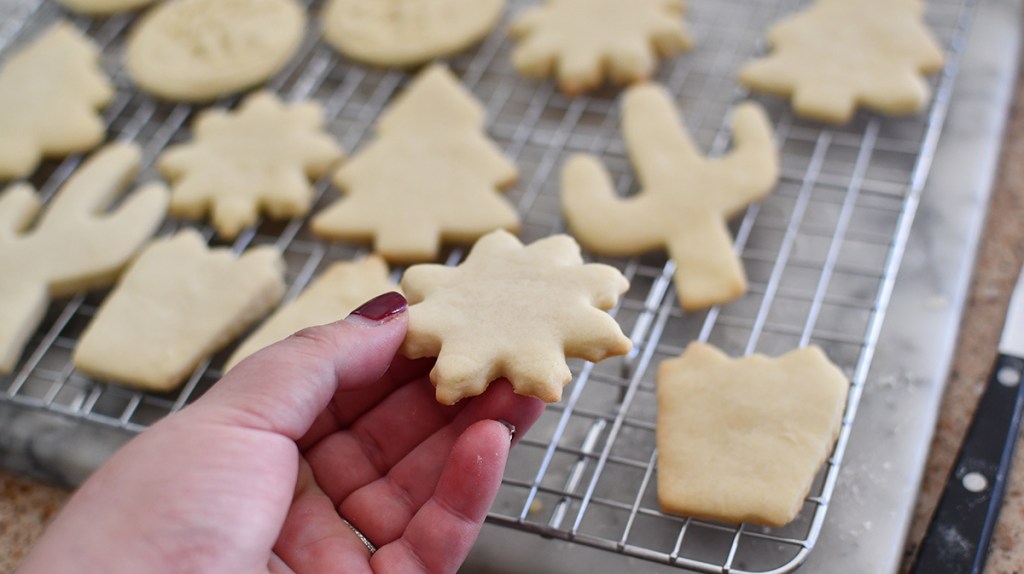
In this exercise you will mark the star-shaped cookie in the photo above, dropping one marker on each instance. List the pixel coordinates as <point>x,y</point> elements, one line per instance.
<point>51,92</point>
<point>685,198</point>
<point>583,42</point>
<point>839,54</point>
<point>75,244</point>
<point>740,440</point>
<point>259,157</point>
<point>430,175</point>
<point>512,311</point>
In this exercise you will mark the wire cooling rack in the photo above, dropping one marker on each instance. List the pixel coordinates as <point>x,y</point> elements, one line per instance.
<point>821,254</point>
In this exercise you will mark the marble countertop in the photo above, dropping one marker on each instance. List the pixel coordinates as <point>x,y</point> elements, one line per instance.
<point>26,506</point>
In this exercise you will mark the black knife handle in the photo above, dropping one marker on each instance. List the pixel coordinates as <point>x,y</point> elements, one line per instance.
<point>958,537</point>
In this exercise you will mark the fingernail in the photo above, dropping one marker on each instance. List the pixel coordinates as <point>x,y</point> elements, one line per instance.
<point>511,429</point>
<point>382,307</point>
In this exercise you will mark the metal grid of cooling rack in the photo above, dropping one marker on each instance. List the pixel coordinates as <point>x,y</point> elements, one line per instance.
<point>821,255</point>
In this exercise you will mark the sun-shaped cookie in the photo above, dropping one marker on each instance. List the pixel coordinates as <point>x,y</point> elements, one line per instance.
<point>258,157</point>
<point>838,54</point>
<point>740,440</point>
<point>512,311</point>
<point>51,91</point>
<point>584,42</point>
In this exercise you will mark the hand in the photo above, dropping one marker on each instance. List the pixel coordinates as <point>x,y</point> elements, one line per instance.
<point>262,472</point>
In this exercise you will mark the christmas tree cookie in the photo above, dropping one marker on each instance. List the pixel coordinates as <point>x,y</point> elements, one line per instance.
<point>431,175</point>
<point>51,92</point>
<point>837,55</point>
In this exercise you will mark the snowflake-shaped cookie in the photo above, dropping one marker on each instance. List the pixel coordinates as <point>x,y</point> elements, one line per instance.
<point>258,157</point>
<point>50,94</point>
<point>740,440</point>
<point>584,41</point>
<point>431,175</point>
<point>512,311</point>
<point>839,54</point>
<point>685,198</point>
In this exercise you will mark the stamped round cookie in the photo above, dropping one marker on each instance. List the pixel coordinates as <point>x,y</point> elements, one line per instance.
<point>197,50</point>
<point>102,7</point>
<point>407,32</point>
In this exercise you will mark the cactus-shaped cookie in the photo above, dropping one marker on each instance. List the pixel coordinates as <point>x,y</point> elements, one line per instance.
<point>50,94</point>
<point>74,245</point>
<point>512,311</point>
<point>838,54</point>
<point>685,198</point>
<point>430,175</point>
<point>259,157</point>
<point>740,440</point>
<point>582,42</point>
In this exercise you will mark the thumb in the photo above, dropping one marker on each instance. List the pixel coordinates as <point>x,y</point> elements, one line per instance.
<point>283,387</point>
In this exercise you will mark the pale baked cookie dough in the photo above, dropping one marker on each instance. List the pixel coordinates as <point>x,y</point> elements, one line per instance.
<point>512,311</point>
<point>840,54</point>
<point>257,158</point>
<point>740,440</point>
<point>178,303</point>
<point>332,296</point>
<point>51,91</point>
<point>685,198</point>
<point>407,32</point>
<point>585,42</point>
<point>103,7</point>
<point>431,175</point>
<point>198,50</point>
<point>74,244</point>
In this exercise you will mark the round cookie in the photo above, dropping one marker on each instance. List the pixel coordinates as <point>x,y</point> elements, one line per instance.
<point>198,50</point>
<point>102,7</point>
<point>407,32</point>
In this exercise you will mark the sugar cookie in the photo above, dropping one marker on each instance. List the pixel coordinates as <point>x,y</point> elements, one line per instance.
<point>51,91</point>
<point>740,440</point>
<point>407,32</point>
<point>198,50</point>
<point>838,54</point>
<point>584,41</point>
<point>333,295</point>
<point>103,7</point>
<point>512,311</point>
<point>684,200</point>
<point>178,303</point>
<point>74,245</point>
<point>430,175</point>
<point>259,156</point>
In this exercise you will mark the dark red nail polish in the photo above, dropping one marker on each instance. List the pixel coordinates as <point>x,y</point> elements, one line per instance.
<point>382,307</point>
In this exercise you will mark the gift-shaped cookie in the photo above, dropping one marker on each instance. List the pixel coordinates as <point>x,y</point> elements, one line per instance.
<point>740,440</point>
<point>330,297</point>
<point>838,54</point>
<point>584,42</point>
<point>512,311</point>
<point>74,245</point>
<point>684,201</point>
<point>258,158</point>
<point>430,175</point>
<point>178,303</point>
<point>51,92</point>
